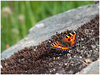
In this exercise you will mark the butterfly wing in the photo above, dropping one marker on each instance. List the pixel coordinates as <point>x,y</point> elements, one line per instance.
<point>59,45</point>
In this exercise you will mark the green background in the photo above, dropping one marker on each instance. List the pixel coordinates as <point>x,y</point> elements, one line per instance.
<point>25,14</point>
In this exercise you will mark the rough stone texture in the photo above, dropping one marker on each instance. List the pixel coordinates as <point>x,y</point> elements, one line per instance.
<point>93,68</point>
<point>44,29</point>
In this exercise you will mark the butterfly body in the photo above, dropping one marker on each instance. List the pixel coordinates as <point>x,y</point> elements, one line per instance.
<point>68,41</point>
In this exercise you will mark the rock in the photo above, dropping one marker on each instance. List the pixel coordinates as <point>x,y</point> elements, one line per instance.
<point>43,30</point>
<point>93,68</point>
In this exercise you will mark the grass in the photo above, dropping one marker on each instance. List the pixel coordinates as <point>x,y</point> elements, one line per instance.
<point>15,23</point>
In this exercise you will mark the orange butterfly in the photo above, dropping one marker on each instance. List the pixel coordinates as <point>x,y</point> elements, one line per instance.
<point>67,42</point>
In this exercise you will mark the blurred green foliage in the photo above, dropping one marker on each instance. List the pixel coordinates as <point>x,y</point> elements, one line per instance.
<point>17,17</point>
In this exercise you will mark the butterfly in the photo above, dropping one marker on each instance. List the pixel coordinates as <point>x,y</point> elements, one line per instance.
<point>66,42</point>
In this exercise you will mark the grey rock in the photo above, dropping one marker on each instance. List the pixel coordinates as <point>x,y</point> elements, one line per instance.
<point>93,68</point>
<point>43,30</point>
